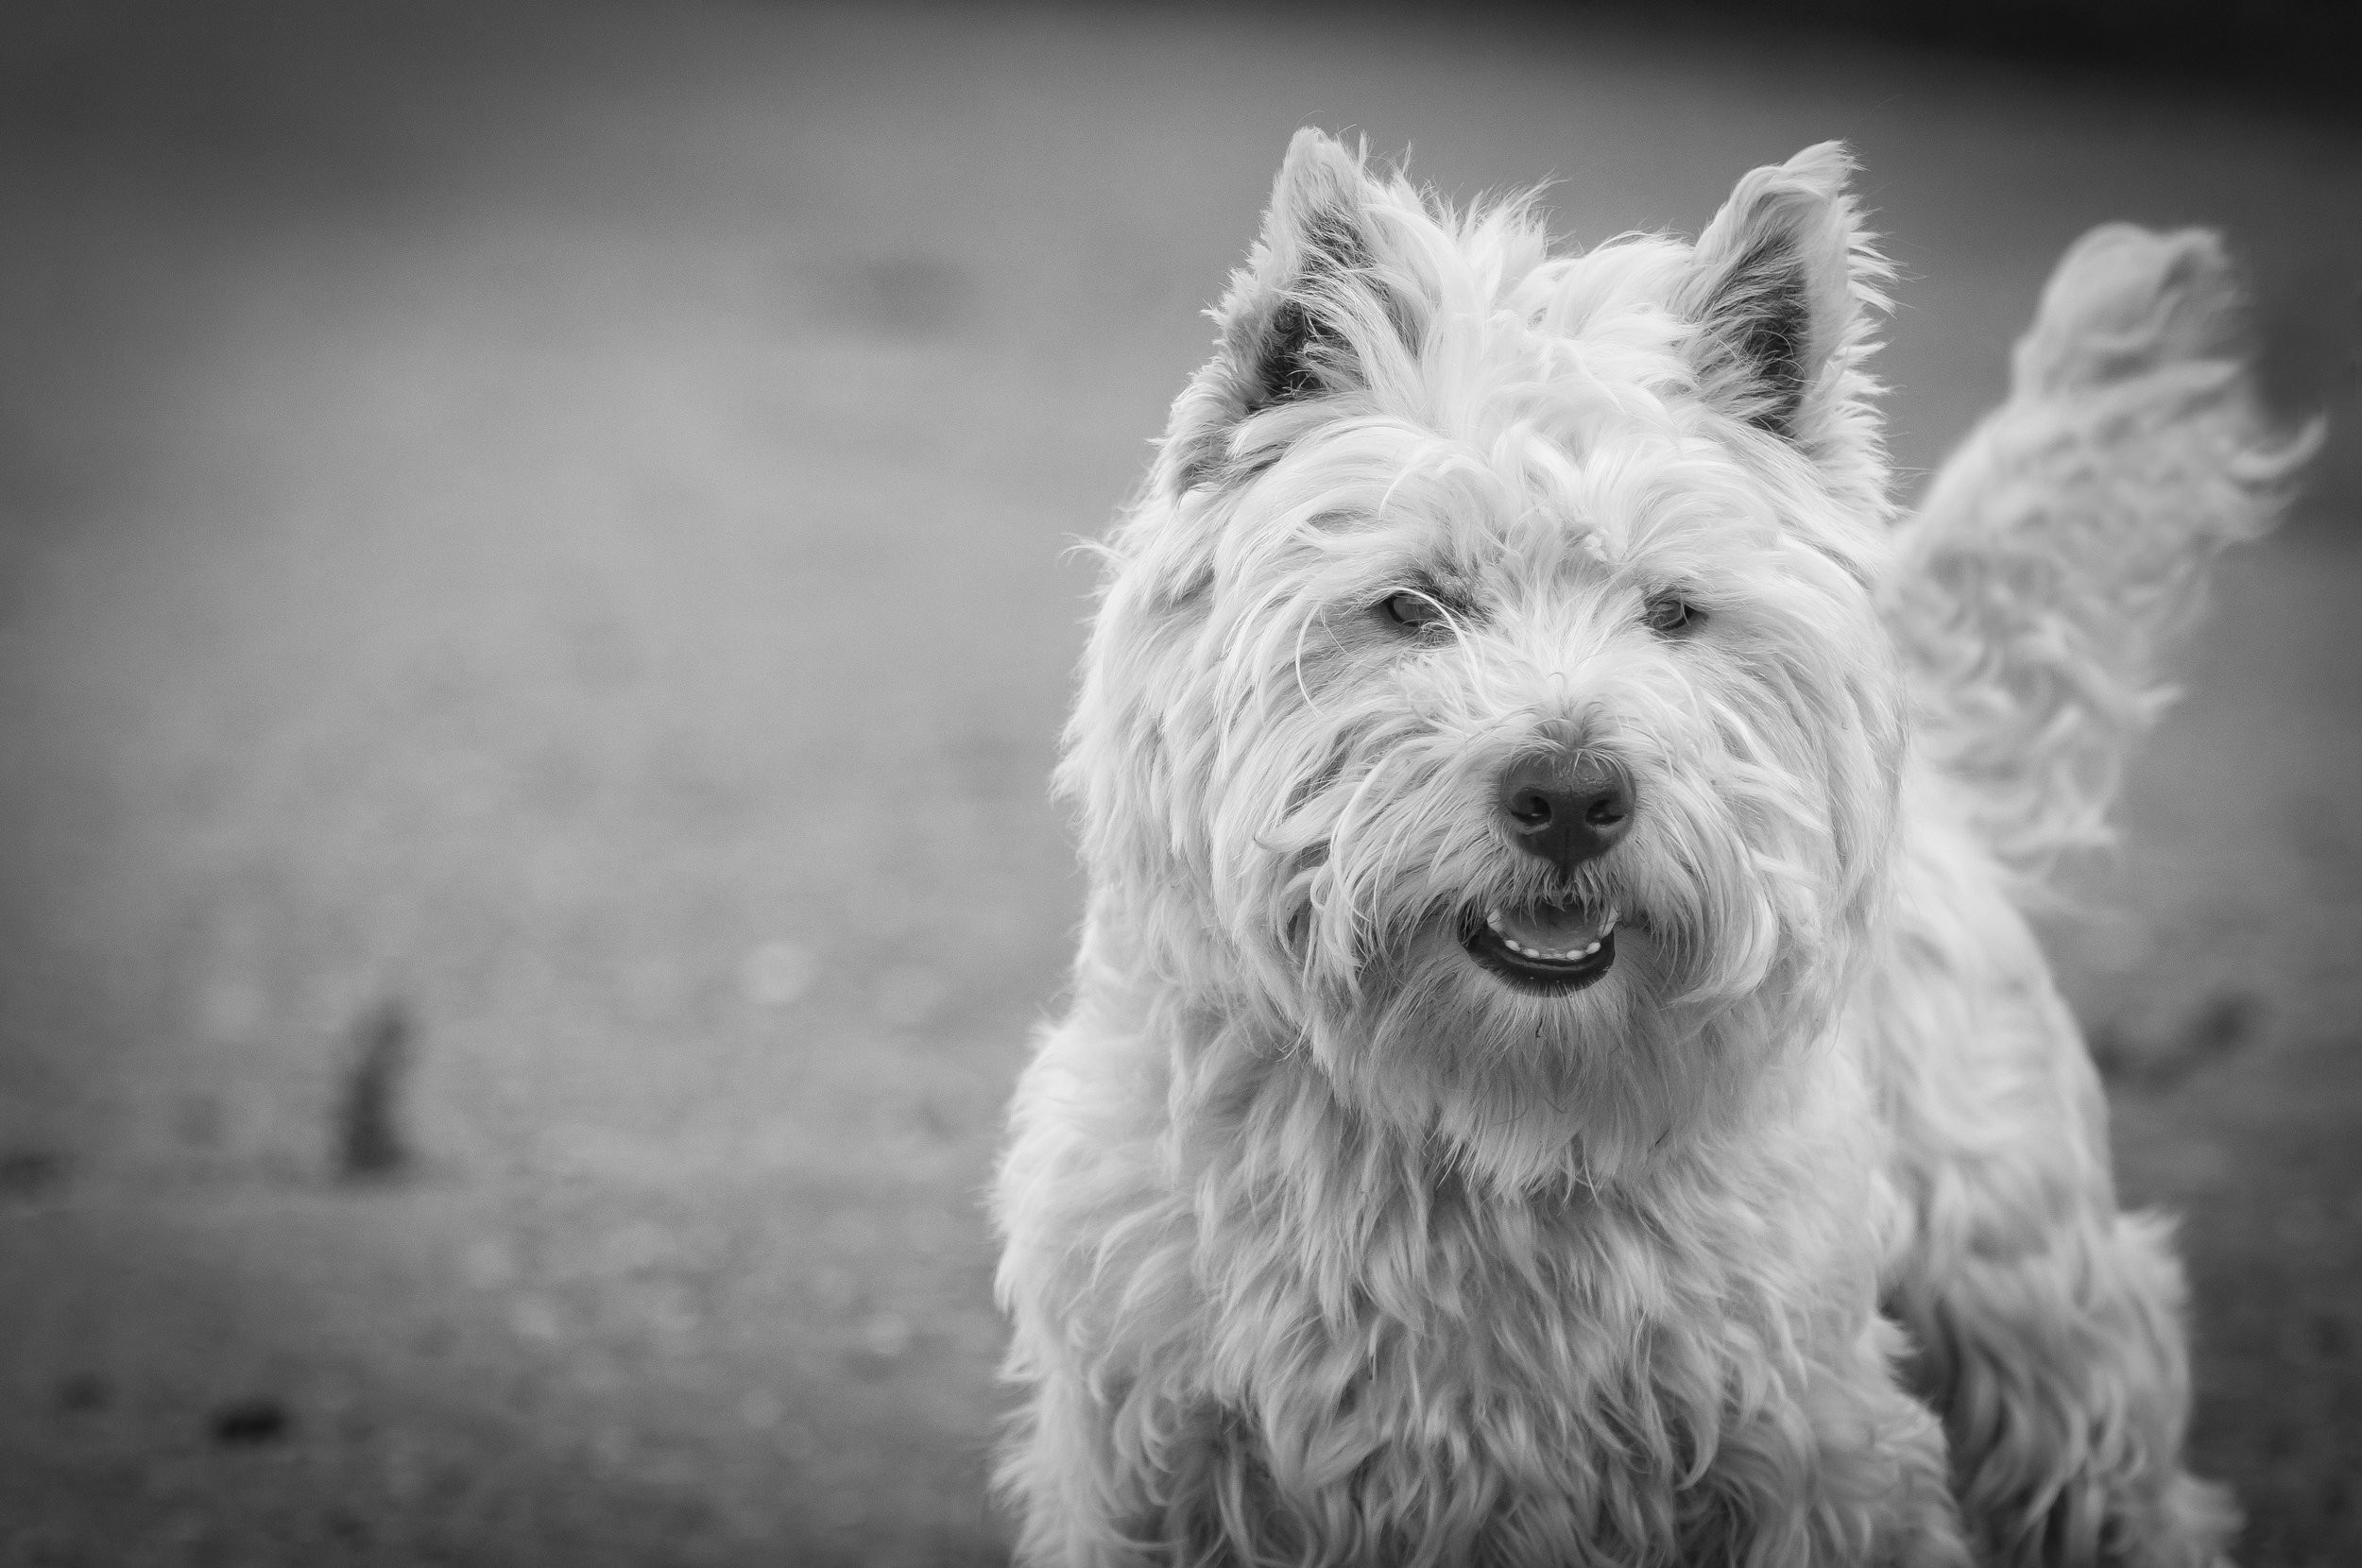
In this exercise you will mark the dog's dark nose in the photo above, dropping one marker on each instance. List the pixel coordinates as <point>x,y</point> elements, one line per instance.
<point>1567,809</point>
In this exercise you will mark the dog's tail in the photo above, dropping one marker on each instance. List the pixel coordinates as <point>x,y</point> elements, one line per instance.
<point>2065,545</point>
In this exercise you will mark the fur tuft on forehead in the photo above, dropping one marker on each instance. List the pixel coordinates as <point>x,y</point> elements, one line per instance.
<point>1366,299</point>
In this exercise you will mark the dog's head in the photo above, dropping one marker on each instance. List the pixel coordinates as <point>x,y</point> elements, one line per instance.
<point>1487,686</point>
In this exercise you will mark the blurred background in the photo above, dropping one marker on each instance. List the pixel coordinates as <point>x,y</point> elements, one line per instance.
<point>534,612</point>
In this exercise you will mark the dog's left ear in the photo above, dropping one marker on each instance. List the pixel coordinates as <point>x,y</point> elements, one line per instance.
<point>1784,290</point>
<point>1317,311</point>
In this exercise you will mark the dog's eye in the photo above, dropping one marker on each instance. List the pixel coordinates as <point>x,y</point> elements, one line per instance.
<point>1670,614</point>
<point>1417,611</point>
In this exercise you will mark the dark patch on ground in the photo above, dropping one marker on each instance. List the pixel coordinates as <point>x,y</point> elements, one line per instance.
<point>78,1393</point>
<point>2220,1025</point>
<point>251,1423</point>
<point>27,1173</point>
<point>903,297</point>
<point>371,1144</point>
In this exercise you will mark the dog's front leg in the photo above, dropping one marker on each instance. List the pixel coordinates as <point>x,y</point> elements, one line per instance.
<point>2056,1354</point>
<point>1123,1478</point>
<point>1850,1472</point>
<point>2047,1326</point>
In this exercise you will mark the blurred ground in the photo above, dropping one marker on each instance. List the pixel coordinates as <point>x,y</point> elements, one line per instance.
<point>548,522</point>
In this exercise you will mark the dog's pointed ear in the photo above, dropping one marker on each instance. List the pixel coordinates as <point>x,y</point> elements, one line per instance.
<point>1304,316</point>
<point>1784,290</point>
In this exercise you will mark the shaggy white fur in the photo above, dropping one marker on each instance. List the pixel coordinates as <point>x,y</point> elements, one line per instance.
<point>1359,1212</point>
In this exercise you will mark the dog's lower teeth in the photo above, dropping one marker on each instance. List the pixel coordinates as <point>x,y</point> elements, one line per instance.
<point>1494,922</point>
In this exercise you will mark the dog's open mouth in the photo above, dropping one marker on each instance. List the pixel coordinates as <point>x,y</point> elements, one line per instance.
<point>1553,948</point>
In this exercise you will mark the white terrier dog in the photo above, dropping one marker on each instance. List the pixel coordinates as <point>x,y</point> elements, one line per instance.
<point>1558,1073</point>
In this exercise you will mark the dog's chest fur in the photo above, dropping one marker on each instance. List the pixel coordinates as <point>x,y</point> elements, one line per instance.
<point>1435,1359</point>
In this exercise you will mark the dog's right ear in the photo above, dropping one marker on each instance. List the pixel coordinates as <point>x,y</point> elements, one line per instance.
<point>1307,314</point>
<point>1785,288</point>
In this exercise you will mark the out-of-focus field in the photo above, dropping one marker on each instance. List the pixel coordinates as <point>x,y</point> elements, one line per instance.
<point>553,522</point>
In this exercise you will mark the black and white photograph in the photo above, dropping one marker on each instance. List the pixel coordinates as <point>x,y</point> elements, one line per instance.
<point>1180,786</point>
